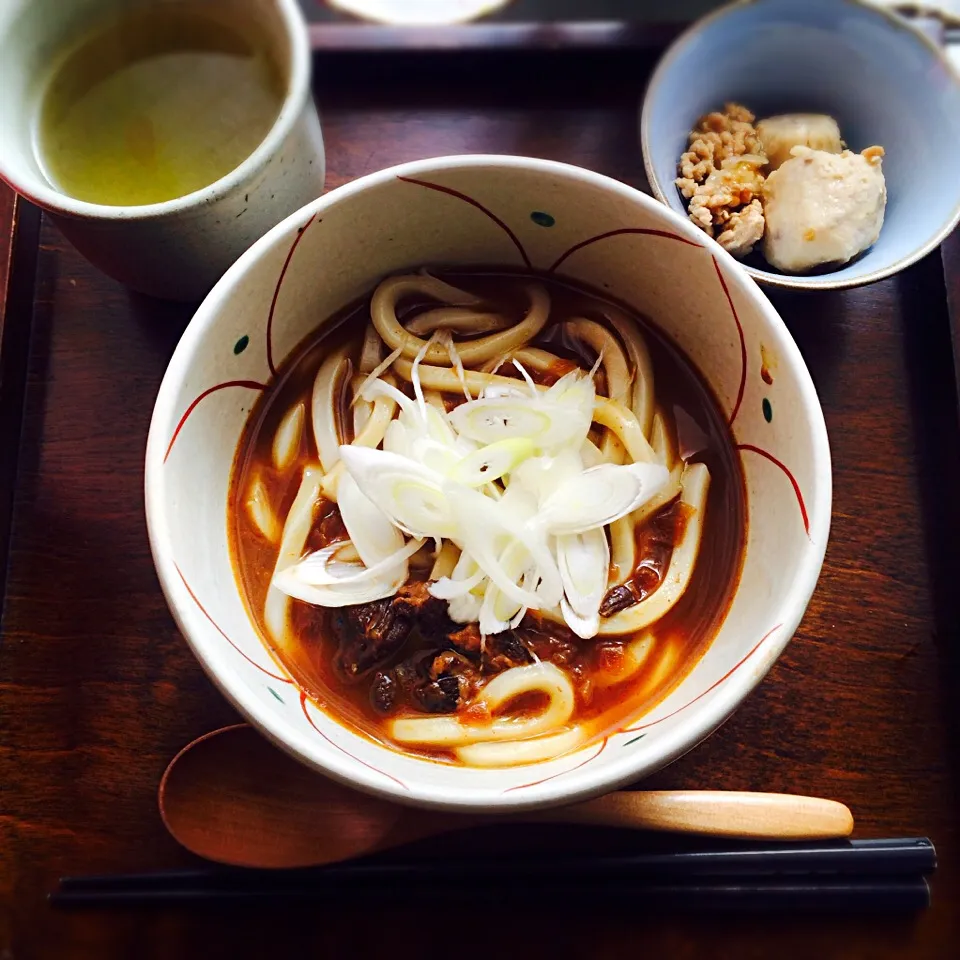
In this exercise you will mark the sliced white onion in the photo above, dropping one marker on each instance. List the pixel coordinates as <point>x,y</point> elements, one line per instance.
<point>599,496</point>
<point>501,418</point>
<point>396,439</point>
<point>491,462</point>
<point>483,531</point>
<point>463,578</point>
<point>379,387</point>
<point>446,588</point>
<point>369,528</point>
<point>591,454</point>
<point>378,371</point>
<point>583,627</point>
<point>497,612</point>
<point>320,569</point>
<point>542,476</point>
<point>346,552</point>
<point>584,563</point>
<point>409,494</point>
<point>551,420</point>
<point>322,581</point>
<point>339,594</point>
<point>465,609</point>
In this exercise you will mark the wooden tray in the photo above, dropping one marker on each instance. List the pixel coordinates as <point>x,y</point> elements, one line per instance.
<point>98,690</point>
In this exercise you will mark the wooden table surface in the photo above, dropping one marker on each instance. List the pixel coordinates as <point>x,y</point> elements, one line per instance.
<point>98,690</point>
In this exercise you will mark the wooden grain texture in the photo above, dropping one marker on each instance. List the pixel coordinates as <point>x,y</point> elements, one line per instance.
<point>98,690</point>
<point>6,231</point>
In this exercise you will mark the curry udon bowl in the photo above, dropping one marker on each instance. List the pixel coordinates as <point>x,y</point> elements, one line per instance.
<point>569,226</point>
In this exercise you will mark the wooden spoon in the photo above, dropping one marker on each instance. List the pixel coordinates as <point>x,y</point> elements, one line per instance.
<point>233,797</point>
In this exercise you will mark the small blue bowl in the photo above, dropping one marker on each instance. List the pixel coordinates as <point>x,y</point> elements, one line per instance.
<point>883,81</point>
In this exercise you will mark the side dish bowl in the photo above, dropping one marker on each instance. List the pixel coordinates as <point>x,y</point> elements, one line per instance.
<point>517,213</point>
<point>882,80</point>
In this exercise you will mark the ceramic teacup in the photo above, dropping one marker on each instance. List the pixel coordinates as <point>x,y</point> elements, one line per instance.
<point>488,211</point>
<point>179,248</point>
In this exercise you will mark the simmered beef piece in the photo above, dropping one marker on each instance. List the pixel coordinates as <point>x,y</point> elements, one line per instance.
<point>655,543</point>
<point>466,640</point>
<point>327,527</point>
<point>498,653</point>
<point>371,633</point>
<point>384,691</point>
<point>617,599</point>
<point>431,682</point>
<point>504,650</point>
<point>432,613</point>
<point>556,643</point>
<point>452,680</point>
<point>553,642</point>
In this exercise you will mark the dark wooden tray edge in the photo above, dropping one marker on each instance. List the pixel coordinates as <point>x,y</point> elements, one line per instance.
<point>493,37</point>
<point>20,229</point>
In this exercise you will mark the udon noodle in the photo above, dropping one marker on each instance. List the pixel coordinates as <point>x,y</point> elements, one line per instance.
<point>486,520</point>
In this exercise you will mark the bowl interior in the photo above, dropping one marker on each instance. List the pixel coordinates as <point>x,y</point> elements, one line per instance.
<point>517,213</point>
<point>881,80</point>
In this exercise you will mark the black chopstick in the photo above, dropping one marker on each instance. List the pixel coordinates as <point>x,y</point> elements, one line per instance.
<point>912,856</point>
<point>846,875</point>
<point>838,895</point>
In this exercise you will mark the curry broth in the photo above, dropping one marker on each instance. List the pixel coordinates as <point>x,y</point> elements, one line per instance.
<point>682,635</point>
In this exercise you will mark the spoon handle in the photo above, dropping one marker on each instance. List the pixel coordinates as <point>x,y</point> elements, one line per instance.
<point>716,813</point>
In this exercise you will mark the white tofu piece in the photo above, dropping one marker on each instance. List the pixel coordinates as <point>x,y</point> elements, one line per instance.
<point>823,207</point>
<point>779,135</point>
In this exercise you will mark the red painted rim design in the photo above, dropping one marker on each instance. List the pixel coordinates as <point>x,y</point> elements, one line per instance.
<point>276,292</point>
<point>303,706</point>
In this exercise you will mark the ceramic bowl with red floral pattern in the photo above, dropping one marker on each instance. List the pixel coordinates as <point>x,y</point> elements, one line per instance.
<point>520,213</point>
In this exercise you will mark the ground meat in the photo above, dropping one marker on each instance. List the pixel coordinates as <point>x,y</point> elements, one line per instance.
<point>743,230</point>
<point>431,681</point>
<point>717,137</point>
<point>720,176</point>
<point>372,633</point>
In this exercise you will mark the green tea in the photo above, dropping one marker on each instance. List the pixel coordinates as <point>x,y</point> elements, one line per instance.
<point>157,104</point>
